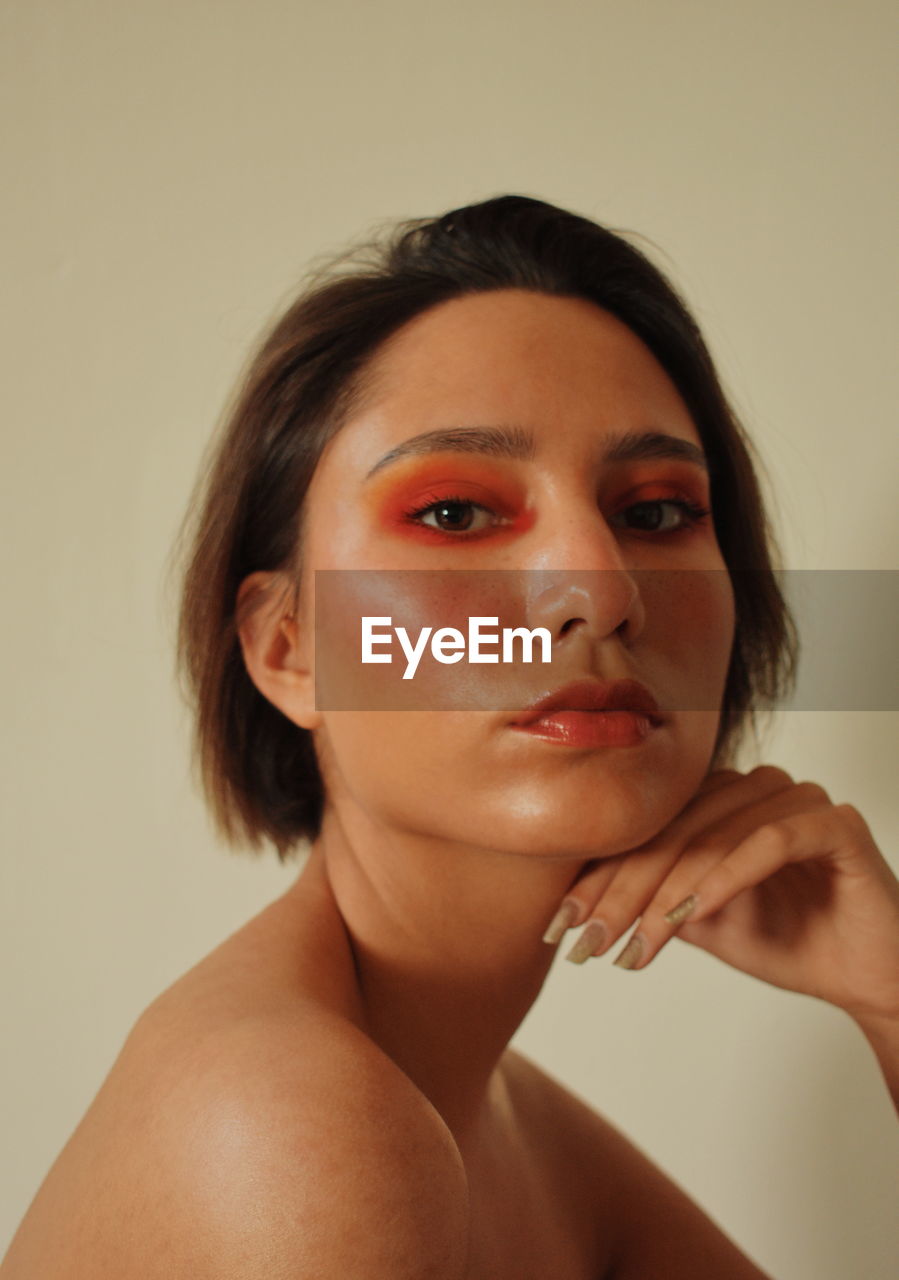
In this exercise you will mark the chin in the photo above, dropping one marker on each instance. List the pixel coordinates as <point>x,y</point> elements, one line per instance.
<point>609,834</point>
<point>526,824</point>
<point>535,802</point>
<point>596,812</point>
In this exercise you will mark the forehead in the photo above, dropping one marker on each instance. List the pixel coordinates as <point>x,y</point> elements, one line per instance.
<point>561,368</point>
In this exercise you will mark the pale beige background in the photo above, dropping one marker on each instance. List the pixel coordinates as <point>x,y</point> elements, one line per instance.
<point>170,169</point>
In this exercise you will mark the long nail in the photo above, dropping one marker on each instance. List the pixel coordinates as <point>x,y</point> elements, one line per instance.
<point>562,920</point>
<point>631,953</point>
<point>682,910</point>
<point>592,935</point>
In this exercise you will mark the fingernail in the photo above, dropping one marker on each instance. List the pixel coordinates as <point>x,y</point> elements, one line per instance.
<point>562,920</point>
<point>631,953</point>
<point>592,935</point>
<point>682,910</point>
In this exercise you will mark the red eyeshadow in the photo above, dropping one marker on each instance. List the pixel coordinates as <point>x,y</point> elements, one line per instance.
<point>439,477</point>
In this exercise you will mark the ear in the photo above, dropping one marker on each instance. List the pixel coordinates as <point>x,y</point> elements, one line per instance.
<point>277,648</point>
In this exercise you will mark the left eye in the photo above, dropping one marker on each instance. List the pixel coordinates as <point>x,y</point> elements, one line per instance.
<point>660,515</point>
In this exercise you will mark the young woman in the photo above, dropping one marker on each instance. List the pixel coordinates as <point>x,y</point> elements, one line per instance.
<point>330,1092</point>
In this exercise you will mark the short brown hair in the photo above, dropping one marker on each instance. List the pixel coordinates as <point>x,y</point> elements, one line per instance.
<point>258,769</point>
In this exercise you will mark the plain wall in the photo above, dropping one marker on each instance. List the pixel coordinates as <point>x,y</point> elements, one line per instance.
<point>169,171</point>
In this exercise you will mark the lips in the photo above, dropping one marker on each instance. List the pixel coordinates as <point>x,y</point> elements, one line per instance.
<point>594,695</point>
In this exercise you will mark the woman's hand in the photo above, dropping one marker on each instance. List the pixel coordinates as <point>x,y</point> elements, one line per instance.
<point>783,884</point>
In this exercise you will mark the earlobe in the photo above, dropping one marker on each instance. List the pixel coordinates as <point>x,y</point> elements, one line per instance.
<point>274,648</point>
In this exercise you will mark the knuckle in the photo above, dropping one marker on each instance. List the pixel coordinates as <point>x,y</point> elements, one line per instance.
<point>813,792</point>
<point>770,773</point>
<point>620,904</point>
<point>726,879</point>
<point>851,816</point>
<point>615,902</point>
<point>779,831</point>
<point>722,775</point>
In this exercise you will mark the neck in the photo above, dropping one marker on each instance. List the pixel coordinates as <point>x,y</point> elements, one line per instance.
<point>446,941</point>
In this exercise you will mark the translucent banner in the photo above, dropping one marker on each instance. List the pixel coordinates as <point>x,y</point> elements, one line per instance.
<point>462,639</point>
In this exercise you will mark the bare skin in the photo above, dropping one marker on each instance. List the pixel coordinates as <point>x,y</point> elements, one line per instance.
<point>153,1183</point>
<point>331,1091</point>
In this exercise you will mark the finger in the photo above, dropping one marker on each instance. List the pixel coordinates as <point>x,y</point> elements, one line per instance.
<point>723,798</point>
<point>713,856</point>
<point>575,906</point>
<point>632,882</point>
<point>596,876</point>
<point>591,885</point>
<point>718,778</point>
<point>607,904</point>
<point>795,838</point>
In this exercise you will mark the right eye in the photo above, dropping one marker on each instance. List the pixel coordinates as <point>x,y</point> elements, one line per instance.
<point>453,515</point>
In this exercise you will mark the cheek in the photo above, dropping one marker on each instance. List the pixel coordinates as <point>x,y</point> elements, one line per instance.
<point>690,627</point>
<point>406,769</point>
<point>374,632</point>
<point>401,640</point>
<point>709,611</point>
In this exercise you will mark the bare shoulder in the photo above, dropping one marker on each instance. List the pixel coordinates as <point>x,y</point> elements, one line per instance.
<point>649,1226</point>
<point>259,1145</point>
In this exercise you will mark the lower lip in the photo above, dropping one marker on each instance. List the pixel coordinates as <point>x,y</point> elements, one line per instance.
<point>591,728</point>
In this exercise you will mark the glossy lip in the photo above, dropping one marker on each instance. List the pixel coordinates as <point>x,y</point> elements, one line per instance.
<point>594,695</point>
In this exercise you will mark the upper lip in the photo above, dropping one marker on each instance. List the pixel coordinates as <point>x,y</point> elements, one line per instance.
<point>594,695</point>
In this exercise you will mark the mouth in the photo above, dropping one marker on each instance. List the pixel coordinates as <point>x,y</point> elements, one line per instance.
<point>593,713</point>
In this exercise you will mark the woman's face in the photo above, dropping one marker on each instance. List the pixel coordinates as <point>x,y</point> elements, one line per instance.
<point>607,485</point>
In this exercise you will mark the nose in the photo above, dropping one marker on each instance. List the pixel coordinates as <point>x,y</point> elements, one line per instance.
<point>580,585</point>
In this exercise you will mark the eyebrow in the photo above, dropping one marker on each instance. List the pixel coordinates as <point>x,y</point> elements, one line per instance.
<point>517,443</point>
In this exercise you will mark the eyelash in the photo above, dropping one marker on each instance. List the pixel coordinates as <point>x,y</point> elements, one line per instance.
<point>693,514</point>
<point>451,500</point>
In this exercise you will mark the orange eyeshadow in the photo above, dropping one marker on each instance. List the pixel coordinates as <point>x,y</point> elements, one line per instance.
<point>435,479</point>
